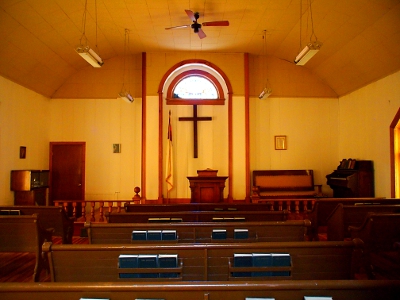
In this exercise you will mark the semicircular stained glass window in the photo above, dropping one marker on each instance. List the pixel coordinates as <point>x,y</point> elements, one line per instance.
<point>195,87</point>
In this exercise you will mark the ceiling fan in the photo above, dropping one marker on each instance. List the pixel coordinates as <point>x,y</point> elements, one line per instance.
<point>197,26</point>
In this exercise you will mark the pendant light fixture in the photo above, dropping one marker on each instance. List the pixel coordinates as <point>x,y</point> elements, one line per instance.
<point>267,89</point>
<point>124,94</point>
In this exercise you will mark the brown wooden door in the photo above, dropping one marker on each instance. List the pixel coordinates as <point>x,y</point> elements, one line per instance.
<point>67,171</point>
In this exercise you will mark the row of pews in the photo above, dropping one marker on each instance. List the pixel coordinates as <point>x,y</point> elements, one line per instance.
<point>206,264</point>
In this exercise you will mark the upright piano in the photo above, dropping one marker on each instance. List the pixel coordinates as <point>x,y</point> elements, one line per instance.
<point>352,179</point>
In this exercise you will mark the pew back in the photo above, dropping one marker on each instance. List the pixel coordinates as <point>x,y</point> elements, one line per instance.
<point>197,216</point>
<point>323,208</point>
<point>197,207</point>
<point>280,290</point>
<point>22,234</point>
<point>49,217</point>
<point>344,216</point>
<point>200,232</point>
<point>203,262</point>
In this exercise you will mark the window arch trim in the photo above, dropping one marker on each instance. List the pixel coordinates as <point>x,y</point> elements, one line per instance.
<point>220,100</point>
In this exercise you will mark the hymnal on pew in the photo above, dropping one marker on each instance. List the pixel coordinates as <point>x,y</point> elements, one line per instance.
<point>168,235</point>
<point>219,234</point>
<point>168,261</point>
<point>128,261</point>
<point>281,260</point>
<point>147,261</point>
<point>240,234</point>
<point>154,235</point>
<point>242,260</point>
<point>139,235</point>
<point>262,260</point>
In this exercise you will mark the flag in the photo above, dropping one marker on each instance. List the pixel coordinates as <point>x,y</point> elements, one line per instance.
<point>169,178</point>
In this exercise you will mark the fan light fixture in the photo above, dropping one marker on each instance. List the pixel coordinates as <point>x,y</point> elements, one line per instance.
<point>85,51</point>
<point>125,95</point>
<point>312,47</point>
<point>90,56</point>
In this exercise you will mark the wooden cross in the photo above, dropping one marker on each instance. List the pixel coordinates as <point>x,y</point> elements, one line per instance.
<point>195,119</point>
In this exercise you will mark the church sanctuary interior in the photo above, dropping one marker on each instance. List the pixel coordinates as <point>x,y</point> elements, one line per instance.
<point>202,149</point>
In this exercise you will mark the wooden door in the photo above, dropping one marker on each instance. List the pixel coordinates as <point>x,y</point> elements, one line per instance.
<point>67,171</point>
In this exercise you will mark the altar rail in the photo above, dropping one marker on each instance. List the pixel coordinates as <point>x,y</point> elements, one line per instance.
<point>94,205</point>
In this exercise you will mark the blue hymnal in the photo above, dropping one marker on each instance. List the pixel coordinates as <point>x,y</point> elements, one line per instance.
<point>240,234</point>
<point>219,234</point>
<point>242,260</point>
<point>154,235</point>
<point>128,261</point>
<point>168,235</point>
<point>139,235</point>
<point>168,261</point>
<point>317,298</point>
<point>147,261</point>
<point>262,260</point>
<point>281,260</point>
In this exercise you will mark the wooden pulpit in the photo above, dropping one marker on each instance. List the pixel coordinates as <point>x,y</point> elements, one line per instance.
<point>207,187</point>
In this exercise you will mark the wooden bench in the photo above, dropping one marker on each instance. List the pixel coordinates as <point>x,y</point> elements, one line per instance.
<point>204,262</point>
<point>199,232</point>
<point>197,207</point>
<point>280,187</point>
<point>49,218</point>
<point>323,208</point>
<point>22,234</point>
<point>196,216</point>
<point>279,290</point>
<point>381,236</point>
<point>344,216</point>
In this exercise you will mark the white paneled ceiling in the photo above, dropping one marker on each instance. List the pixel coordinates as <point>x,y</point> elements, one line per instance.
<point>361,38</point>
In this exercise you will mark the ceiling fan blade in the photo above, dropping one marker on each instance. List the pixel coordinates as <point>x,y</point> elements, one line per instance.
<point>201,34</point>
<point>216,23</point>
<point>190,15</point>
<point>177,27</point>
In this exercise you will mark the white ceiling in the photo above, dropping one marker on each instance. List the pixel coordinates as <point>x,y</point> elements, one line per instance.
<point>361,38</point>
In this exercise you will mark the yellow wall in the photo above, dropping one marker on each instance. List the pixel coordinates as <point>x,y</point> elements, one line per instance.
<point>364,119</point>
<point>24,121</point>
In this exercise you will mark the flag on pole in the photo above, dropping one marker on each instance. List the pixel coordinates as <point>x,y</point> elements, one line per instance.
<point>169,178</point>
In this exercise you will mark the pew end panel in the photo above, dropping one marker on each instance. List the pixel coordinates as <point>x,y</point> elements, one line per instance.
<point>23,234</point>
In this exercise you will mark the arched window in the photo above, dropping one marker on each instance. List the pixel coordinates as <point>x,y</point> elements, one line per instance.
<point>195,87</point>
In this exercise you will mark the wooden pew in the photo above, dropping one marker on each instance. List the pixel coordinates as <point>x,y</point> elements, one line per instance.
<point>323,208</point>
<point>200,232</point>
<point>344,216</point>
<point>279,290</point>
<point>204,262</point>
<point>22,234</point>
<point>197,207</point>
<point>197,216</point>
<point>381,236</point>
<point>49,218</point>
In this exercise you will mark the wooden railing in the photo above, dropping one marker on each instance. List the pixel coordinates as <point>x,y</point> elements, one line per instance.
<point>96,207</point>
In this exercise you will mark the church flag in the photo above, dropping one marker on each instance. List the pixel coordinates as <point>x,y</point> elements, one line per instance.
<point>169,167</point>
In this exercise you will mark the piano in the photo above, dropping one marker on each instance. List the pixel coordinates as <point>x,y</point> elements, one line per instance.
<point>352,179</point>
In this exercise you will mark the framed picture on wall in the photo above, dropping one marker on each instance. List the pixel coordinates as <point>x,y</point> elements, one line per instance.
<point>280,142</point>
<point>116,148</point>
<point>22,152</point>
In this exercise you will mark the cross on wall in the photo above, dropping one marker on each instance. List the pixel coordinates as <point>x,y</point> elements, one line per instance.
<point>195,119</point>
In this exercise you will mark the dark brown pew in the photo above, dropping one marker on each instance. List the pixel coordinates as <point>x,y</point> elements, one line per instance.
<point>200,232</point>
<point>22,234</point>
<point>197,207</point>
<point>197,216</point>
<point>204,262</point>
<point>344,216</point>
<point>381,236</point>
<point>49,218</point>
<point>323,207</point>
<point>280,290</point>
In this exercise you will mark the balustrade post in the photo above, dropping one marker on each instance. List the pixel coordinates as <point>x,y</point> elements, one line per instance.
<point>101,205</point>
<point>84,211</point>
<point>92,204</point>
